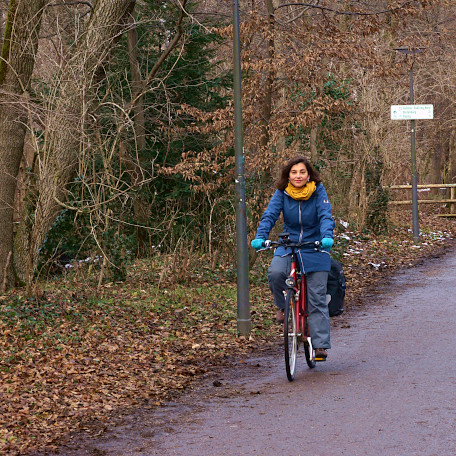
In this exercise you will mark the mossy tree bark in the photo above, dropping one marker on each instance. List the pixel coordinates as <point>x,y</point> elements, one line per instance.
<point>20,43</point>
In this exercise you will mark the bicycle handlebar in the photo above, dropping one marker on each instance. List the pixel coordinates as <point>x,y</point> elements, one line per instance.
<point>268,244</point>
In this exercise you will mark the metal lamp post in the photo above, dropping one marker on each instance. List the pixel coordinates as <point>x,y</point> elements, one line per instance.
<point>416,231</point>
<point>243,305</point>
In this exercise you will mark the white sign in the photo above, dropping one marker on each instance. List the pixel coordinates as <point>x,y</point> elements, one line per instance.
<point>409,112</point>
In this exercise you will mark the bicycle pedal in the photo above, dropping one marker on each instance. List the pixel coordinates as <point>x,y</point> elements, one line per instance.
<point>320,359</point>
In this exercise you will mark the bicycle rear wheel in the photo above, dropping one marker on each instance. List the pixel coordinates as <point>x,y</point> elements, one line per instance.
<point>290,334</point>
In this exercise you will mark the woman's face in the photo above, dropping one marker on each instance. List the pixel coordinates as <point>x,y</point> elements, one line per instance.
<point>298,175</point>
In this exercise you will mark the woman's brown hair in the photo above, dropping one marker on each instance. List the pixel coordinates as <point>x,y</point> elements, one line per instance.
<point>283,179</point>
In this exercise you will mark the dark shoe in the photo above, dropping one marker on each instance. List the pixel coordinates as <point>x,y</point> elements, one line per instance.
<point>280,316</point>
<point>320,354</point>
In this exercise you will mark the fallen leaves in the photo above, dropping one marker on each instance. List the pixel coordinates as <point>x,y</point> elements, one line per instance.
<point>70,360</point>
<point>64,361</point>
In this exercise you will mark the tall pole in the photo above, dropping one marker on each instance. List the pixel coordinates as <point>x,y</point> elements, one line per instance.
<point>243,305</point>
<point>416,231</point>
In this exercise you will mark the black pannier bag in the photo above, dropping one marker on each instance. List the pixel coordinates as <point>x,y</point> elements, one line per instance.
<point>335,293</point>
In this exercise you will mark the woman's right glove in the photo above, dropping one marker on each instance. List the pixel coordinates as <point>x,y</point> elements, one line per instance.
<point>327,243</point>
<point>257,244</point>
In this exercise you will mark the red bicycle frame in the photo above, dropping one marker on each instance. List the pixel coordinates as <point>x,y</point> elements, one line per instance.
<point>296,328</point>
<point>300,285</point>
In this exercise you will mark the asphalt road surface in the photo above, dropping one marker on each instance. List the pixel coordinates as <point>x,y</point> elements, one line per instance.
<point>388,388</point>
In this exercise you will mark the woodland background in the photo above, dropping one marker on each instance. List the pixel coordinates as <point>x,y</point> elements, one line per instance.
<point>117,215</point>
<point>116,137</point>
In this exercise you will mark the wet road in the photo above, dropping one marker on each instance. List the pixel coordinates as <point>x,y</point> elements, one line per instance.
<point>388,388</point>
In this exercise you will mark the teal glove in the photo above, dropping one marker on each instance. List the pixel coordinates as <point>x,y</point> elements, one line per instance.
<point>327,243</point>
<point>257,243</point>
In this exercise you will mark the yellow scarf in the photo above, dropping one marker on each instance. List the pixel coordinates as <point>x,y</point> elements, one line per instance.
<point>302,193</point>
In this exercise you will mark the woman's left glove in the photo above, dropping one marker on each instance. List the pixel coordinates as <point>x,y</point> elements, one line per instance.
<point>327,243</point>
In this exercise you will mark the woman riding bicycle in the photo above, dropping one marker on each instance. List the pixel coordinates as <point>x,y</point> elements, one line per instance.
<point>307,216</point>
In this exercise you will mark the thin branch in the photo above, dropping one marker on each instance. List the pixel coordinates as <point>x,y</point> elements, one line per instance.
<point>89,208</point>
<point>72,4</point>
<point>345,13</point>
<point>171,45</point>
<point>303,10</point>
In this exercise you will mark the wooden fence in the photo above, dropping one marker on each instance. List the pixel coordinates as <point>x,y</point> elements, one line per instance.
<point>451,201</point>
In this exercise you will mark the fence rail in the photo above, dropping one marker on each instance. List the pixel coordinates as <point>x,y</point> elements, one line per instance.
<point>451,201</point>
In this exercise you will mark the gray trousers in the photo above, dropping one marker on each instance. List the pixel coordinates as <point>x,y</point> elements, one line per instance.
<point>316,293</point>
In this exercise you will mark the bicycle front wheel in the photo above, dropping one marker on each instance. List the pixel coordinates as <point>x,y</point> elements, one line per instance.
<point>308,350</point>
<point>290,334</point>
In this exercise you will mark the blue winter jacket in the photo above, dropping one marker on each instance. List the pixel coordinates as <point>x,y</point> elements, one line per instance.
<point>309,220</point>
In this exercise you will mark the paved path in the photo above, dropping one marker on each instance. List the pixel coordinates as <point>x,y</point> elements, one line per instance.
<point>388,388</point>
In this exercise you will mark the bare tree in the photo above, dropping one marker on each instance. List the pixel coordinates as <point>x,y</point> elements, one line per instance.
<point>20,44</point>
<point>64,124</point>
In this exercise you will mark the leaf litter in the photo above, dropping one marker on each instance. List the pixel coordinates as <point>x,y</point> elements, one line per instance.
<point>72,358</point>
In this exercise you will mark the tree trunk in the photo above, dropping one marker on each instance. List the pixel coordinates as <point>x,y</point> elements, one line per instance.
<point>267,99</point>
<point>313,143</point>
<point>435,172</point>
<point>451,176</point>
<point>20,44</point>
<point>64,126</point>
<point>280,144</point>
<point>137,83</point>
<point>357,196</point>
<point>3,14</point>
<point>140,205</point>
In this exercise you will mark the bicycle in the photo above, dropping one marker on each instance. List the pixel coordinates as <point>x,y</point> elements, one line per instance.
<point>295,326</point>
